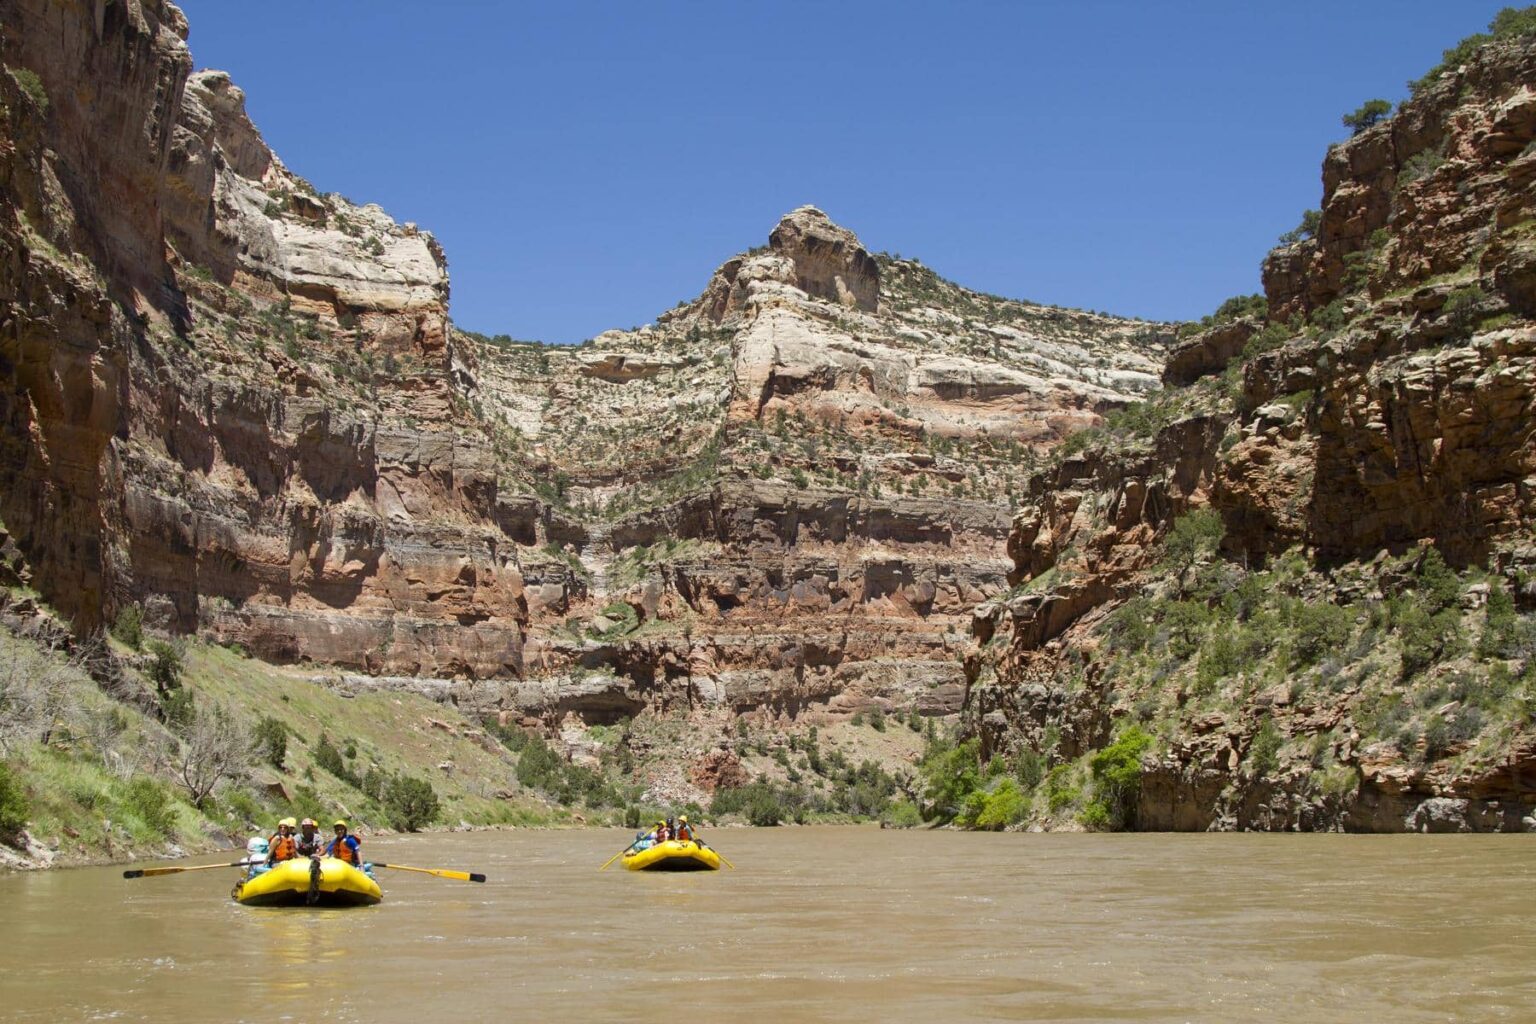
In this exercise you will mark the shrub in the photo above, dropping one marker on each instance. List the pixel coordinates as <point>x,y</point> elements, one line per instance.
<point>1321,627</point>
<point>1331,317</point>
<point>951,774</point>
<point>178,708</point>
<point>13,805</point>
<point>165,665</point>
<point>1505,634</point>
<point>1509,23</point>
<point>1311,222</point>
<point>1130,626</point>
<point>128,627</point>
<point>1005,805</point>
<point>148,801</point>
<point>1367,115</point>
<point>1116,774</point>
<point>902,814</point>
<point>329,758</point>
<point>411,803</point>
<point>1029,769</point>
<point>1185,622</point>
<point>1264,751</point>
<point>1463,307</point>
<point>1096,816</point>
<point>1419,166</point>
<point>1218,660</point>
<point>758,802</point>
<point>271,741</point>
<point>1439,587</point>
<point>1060,791</point>
<point>1425,638</point>
<point>32,86</point>
<point>374,783</point>
<point>1192,536</point>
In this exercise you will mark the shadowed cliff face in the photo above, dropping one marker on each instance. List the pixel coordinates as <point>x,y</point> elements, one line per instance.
<point>240,403</point>
<point>1384,407</point>
<point>195,413</point>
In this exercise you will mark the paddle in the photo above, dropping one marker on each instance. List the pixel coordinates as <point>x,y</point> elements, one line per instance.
<point>150,872</point>
<point>621,853</point>
<point>462,876</point>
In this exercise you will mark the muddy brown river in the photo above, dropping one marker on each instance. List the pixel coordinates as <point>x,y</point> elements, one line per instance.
<point>815,924</point>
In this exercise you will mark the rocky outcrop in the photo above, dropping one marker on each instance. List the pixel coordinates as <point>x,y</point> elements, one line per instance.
<point>239,404</point>
<point>1396,417</point>
<point>201,413</point>
<point>1209,352</point>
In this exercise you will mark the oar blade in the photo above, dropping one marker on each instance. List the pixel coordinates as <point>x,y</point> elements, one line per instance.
<point>475,876</point>
<point>133,874</point>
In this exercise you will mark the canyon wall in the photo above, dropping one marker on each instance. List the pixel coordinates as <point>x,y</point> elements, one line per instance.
<point>1373,427</point>
<point>240,404</point>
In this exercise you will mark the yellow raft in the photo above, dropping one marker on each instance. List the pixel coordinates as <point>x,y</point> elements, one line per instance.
<point>300,882</point>
<point>673,855</point>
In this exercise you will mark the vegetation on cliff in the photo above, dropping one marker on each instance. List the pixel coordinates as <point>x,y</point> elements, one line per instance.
<point>1301,571</point>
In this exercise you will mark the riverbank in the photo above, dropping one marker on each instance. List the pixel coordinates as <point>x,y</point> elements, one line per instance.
<point>114,754</point>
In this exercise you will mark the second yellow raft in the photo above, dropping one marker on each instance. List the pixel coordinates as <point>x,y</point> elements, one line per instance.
<point>326,882</point>
<point>673,855</point>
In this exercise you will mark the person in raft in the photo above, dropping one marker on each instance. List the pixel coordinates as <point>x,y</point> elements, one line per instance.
<point>345,848</point>
<point>309,842</point>
<point>281,847</point>
<point>256,852</point>
<point>684,830</point>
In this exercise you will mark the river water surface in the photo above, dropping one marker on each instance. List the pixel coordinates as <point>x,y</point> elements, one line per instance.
<point>815,924</point>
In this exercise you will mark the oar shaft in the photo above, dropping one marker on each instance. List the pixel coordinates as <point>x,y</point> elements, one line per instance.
<point>616,856</point>
<point>152,872</point>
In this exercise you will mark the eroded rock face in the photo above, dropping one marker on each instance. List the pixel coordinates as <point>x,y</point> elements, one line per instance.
<point>187,419</point>
<point>239,403</point>
<point>1401,416</point>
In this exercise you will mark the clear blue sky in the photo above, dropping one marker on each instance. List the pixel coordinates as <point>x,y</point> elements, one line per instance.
<point>588,165</point>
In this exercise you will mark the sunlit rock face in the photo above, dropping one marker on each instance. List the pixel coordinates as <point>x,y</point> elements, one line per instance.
<point>1383,407</point>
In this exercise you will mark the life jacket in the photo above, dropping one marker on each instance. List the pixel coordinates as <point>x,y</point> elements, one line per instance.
<point>308,847</point>
<point>343,850</point>
<point>685,833</point>
<point>663,834</point>
<point>283,848</point>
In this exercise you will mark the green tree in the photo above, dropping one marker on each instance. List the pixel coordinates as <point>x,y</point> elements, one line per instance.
<point>128,627</point>
<point>271,741</point>
<point>1311,223</point>
<point>411,803</point>
<point>1367,115</point>
<point>13,804</point>
<point>1193,536</point>
<point>1117,776</point>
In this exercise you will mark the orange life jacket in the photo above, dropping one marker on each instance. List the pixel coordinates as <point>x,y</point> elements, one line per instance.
<point>685,833</point>
<point>342,850</point>
<point>283,848</point>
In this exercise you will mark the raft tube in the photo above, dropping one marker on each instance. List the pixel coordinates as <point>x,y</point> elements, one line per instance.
<point>673,855</point>
<point>301,882</point>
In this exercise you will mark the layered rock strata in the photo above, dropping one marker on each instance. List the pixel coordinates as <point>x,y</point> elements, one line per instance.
<point>1384,408</point>
<point>240,403</point>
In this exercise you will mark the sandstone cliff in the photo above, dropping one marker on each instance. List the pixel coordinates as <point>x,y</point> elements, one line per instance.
<point>1320,667</point>
<point>239,404</point>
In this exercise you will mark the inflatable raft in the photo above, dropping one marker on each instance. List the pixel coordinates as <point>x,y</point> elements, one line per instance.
<point>674,855</point>
<point>300,882</point>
